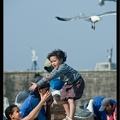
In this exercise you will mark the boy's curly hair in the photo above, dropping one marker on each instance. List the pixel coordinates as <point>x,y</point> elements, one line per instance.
<point>58,53</point>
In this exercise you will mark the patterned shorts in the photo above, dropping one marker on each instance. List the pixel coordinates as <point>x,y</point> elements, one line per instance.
<point>74,91</point>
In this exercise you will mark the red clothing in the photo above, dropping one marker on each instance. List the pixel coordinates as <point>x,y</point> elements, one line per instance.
<point>73,91</point>
<point>113,114</point>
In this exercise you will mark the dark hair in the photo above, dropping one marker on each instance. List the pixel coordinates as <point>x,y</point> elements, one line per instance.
<point>44,85</point>
<point>36,92</point>
<point>58,53</point>
<point>111,103</point>
<point>9,110</point>
<point>38,77</point>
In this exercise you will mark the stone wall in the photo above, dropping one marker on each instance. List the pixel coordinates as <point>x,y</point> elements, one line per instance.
<point>97,83</point>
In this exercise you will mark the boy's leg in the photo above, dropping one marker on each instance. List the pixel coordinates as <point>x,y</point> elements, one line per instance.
<point>72,108</point>
<point>66,107</point>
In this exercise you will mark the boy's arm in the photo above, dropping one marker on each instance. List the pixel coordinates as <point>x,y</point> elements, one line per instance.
<point>39,83</point>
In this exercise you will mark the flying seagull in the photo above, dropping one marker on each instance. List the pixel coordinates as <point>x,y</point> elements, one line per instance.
<point>102,2</point>
<point>85,113</point>
<point>93,19</point>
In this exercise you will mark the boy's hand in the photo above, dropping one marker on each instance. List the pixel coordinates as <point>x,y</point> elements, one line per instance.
<point>34,85</point>
<point>48,79</point>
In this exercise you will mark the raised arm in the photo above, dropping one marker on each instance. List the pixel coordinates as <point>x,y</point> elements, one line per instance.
<point>34,113</point>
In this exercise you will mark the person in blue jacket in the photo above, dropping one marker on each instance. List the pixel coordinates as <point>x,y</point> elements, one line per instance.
<point>110,107</point>
<point>98,115</point>
<point>32,101</point>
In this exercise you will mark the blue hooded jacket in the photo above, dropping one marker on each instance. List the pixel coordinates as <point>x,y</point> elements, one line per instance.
<point>101,115</point>
<point>29,104</point>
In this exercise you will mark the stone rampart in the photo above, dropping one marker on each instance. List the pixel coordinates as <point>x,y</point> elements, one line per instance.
<point>97,83</point>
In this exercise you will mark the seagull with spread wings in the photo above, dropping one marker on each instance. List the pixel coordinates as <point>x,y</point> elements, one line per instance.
<point>102,2</point>
<point>93,19</point>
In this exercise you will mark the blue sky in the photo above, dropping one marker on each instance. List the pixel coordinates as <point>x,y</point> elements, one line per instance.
<point>32,23</point>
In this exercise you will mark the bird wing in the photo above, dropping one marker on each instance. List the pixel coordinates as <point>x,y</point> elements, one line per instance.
<point>87,19</point>
<point>101,2</point>
<point>64,19</point>
<point>99,15</point>
<point>72,18</point>
<point>111,0</point>
<point>107,13</point>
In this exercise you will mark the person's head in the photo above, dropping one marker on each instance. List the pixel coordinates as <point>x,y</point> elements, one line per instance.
<point>106,105</point>
<point>44,88</point>
<point>57,57</point>
<point>12,112</point>
<point>48,66</point>
<point>57,97</point>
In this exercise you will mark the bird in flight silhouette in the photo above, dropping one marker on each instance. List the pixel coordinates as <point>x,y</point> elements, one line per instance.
<point>93,18</point>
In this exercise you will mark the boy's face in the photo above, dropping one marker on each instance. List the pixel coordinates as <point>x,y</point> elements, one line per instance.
<point>44,90</point>
<point>16,114</point>
<point>55,61</point>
